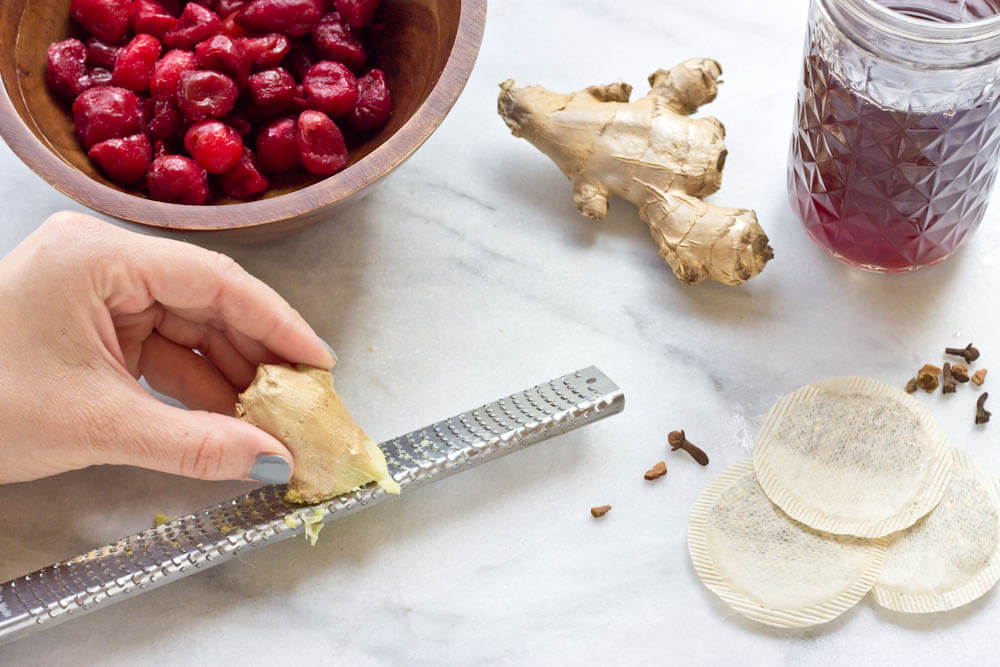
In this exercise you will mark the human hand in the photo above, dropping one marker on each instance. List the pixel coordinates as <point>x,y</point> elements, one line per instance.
<point>86,308</point>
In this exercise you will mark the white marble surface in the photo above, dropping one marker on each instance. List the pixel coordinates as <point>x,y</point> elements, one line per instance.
<point>470,275</point>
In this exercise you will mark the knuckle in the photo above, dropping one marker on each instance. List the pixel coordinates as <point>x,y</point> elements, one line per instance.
<point>71,223</point>
<point>225,265</point>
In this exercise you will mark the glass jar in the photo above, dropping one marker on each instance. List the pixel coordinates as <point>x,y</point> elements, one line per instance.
<point>896,138</point>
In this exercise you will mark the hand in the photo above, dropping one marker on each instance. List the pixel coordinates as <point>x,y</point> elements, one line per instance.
<point>86,308</point>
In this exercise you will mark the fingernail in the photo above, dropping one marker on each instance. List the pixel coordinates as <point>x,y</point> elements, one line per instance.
<point>327,346</point>
<point>271,469</point>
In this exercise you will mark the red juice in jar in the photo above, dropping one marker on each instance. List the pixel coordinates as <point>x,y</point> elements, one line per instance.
<point>894,155</point>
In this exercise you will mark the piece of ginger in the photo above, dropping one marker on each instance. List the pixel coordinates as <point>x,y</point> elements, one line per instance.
<point>300,407</point>
<point>650,153</point>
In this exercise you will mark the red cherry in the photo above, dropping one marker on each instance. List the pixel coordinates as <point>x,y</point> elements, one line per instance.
<point>336,41</point>
<point>215,146</point>
<point>152,18</point>
<point>321,144</point>
<point>244,180</point>
<point>67,69</point>
<point>357,13</point>
<point>177,179</point>
<point>226,55</point>
<point>272,91</point>
<point>195,24</point>
<point>100,54</point>
<point>267,51</point>
<point>107,20</point>
<point>277,146</point>
<point>331,88</point>
<point>136,62</point>
<point>206,94</point>
<point>291,17</point>
<point>106,112</point>
<point>123,160</point>
<point>167,74</point>
<point>374,104</point>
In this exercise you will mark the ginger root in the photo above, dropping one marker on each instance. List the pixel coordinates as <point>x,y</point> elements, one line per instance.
<point>300,407</point>
<point>650,153</point>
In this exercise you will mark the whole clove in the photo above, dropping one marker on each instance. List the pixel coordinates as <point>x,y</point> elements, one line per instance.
<point>982,414</point>
<point>979,377</point>
<point>960,372</point>
<point>657,471</point>
<point>927,377</point>
<point>948,381</point>
<point>678,440</point>
<point>969,352</point>
<point>599,511</point>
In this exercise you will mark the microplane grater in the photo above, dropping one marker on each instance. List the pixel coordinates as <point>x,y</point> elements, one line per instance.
<point>210,536</point>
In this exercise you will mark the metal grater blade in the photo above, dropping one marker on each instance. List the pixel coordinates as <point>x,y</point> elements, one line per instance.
<point>198,541</point>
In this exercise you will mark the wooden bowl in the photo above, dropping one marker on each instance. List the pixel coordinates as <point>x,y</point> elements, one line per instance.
<point>427,52</point>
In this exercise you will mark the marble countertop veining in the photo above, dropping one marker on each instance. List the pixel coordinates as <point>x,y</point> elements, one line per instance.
<point>468,274</point>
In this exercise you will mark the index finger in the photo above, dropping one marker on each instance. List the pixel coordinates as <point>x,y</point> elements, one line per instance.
<point>184,276</point>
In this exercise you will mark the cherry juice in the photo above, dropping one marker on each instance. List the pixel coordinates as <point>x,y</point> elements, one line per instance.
<point>887,189</point>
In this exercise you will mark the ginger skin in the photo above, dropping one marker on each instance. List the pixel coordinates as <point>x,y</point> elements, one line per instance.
<point>650,153</point>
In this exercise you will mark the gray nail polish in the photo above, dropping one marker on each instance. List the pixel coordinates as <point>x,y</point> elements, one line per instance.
<point>327,345</point>
<point>270,469</point>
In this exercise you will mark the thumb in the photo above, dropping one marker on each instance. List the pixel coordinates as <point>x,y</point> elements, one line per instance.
<point>199,444</point>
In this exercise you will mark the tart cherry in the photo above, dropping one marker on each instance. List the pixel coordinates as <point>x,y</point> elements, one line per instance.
<point>152,18</point>
<point>244,180</point>
<point>67,68</point>
<point>277,146</point>
<point>205,94</point>
<point>195,24</point>
<point>335,40</point>
<point>357,13</point>
<point>226,55</point>
<point>291,17</point>
<point>124,160</point>
<point>177,179</point>
<point>215,146</point>
<point>136,62</point>
<point>321,144</point>
<point>167,73</point>
<point>107,20</point>
<point>374,105</point>
<point>331,88</point>
<point>106,112</point>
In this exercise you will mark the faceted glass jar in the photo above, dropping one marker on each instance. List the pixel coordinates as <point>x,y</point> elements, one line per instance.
<point>897,128</point>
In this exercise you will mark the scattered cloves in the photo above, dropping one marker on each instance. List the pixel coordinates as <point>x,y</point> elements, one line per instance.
<point>969,352</point>
<point>927,377</point>
<point>948,381</point>
<point>657,471</point>
<point>982,414</point>
<point>960,372</point>
<point>678,440</point>
<point>979,377</point>
<point>912,386</point>
<point>600,510</point>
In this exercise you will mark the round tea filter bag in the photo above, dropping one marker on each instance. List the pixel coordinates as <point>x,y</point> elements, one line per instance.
<point>769,567</point>
<point>852,456</point>
<point>951,556</point>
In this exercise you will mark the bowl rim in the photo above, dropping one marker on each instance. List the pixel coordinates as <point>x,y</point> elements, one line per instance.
<point>252,215</point>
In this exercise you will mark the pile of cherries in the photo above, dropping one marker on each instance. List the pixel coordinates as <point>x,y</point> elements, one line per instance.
<point>165,93</point>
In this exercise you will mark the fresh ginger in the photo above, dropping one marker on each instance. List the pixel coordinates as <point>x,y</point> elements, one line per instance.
<point>300,407</point>
<point>650,153</point>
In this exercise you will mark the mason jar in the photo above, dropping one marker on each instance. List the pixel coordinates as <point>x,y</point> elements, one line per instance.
<point>895,145</point>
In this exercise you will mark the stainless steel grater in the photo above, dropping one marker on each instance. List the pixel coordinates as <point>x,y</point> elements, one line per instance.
<point>198,541</point>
